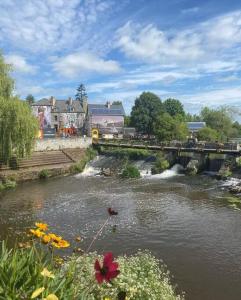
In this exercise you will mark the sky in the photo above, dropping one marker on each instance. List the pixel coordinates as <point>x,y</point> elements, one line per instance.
<point>184,49</point>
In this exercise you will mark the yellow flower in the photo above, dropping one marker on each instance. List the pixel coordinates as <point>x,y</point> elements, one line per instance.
<point>37,292</point>
<point>37,232</point>
<point>47,273</point>
<point>46,239</point>
<point>42,226</point>
<point>61,244</point>
<point>51,297</point>
<point>54,237</point>
<point>106,298</point>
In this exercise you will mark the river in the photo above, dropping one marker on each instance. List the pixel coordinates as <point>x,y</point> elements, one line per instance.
<point>182,220</point>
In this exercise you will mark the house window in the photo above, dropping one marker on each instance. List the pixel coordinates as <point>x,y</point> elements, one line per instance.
<point>56,118</point>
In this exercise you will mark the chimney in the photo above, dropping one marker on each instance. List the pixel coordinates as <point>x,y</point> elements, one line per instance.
<point>52,101</point>
<point>108,104</point>
<point>70,101</point>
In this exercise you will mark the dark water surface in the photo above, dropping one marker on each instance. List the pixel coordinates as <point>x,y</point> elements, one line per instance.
<point>184,221</point>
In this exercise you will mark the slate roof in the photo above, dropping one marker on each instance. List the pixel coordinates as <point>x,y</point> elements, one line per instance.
<point>61,106</point>
<point>102,109</point>
<point>195,126</point>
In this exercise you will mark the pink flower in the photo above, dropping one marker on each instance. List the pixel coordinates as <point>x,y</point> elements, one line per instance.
<point>108,270</point>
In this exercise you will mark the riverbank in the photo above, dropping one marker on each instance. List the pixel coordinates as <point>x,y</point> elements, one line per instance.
<point>70,161</point>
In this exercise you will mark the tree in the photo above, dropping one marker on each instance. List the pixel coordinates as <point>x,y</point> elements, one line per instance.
<point>127,120</point>
<point>18,126</point>
<point>208,134</point>
<point>116,103</point>
<point>147,108</point>
<point>218,119</point>
<point>173,107</point>
<point>81,93</point>
<point>6,82</point>
<point>169,128</point>
<point>30,99</point>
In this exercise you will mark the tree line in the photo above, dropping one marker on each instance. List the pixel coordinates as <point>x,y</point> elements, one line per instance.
<point>167,120</point>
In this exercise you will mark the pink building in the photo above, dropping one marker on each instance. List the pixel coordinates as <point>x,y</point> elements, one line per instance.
<point>107,118</point>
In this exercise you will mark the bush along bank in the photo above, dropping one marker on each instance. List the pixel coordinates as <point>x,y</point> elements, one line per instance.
<point>78,167</point>
<point>130,171</point>
<point>128,153</point>
<point>161,164</point>
<point>7,184</point>
<point>36,270</point>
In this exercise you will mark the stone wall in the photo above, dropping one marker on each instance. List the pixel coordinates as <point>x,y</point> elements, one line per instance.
<point>62,143</point>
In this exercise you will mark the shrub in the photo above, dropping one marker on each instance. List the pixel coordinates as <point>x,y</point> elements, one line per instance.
<point>130,171</point>
<point>43,174</point>
<point>78,167</point>
<point>132,154</point>
<point>9,184</point>
<point>160,165</point>
<point>141,277</point>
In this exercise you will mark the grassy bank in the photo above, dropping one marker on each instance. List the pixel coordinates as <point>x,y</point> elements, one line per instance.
<point>129,153</point>
<point>78,167</point>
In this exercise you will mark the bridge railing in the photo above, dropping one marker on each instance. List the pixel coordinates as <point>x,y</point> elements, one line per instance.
<point>173,144</point>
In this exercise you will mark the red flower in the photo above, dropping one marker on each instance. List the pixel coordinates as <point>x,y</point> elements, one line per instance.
<point>112,212</point>
<point>109,269</point>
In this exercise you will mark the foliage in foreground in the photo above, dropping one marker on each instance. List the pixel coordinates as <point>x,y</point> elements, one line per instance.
<point>24,272</point>
<point>130,171</point>
<point>20,276</point>
<point>141,278</point>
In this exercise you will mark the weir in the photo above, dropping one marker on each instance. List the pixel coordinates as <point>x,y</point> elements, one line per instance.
<point>194,159</point>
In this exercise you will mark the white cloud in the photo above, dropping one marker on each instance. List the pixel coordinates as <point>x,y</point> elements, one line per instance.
<point>190,10</point>
<point>204,42</point>
<point>216,97</point>
<point>50,25</point>
<point>76,64</point>
<point>20,64</point>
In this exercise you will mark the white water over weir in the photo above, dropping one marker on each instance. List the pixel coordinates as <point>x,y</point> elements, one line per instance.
<point>174,171</point>
<point>94,167</point>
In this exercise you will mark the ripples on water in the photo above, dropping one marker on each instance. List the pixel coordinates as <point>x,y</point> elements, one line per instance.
<point>182,220</point>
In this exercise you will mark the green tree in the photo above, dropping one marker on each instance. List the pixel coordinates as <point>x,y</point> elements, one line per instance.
<point>127,121</point>
<point>167,128</point>
<point>81,93</point>
<point>208,134</point>
<point>173,107</point>
<point>116,103</point>
<point>147,108</point>
<point>219,119</point>
<point>6,82</point>
<point>30,99</point>
<point>18,126</point>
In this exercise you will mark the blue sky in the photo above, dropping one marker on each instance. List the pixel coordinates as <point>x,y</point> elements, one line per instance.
<point>184,49</point>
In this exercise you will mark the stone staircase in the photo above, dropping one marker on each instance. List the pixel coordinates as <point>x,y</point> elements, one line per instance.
<point>43,159</point>
<point>75,154</point>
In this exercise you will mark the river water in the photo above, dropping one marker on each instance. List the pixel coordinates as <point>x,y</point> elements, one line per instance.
<point>184,221</point>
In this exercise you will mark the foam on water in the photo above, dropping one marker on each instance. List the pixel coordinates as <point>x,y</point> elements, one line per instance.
<point>174,171</point>
<point>231,182</point>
